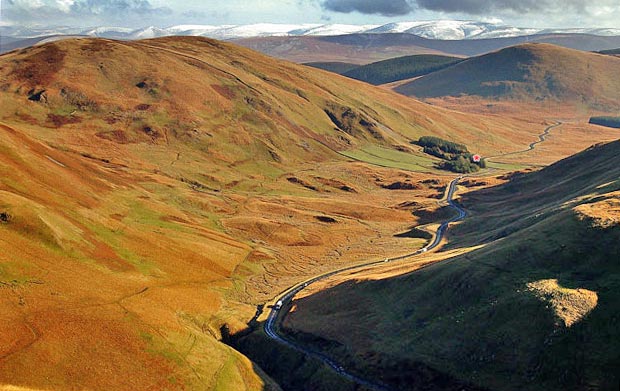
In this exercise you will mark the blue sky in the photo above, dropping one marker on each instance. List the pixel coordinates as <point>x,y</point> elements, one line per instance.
<point>163,13</point>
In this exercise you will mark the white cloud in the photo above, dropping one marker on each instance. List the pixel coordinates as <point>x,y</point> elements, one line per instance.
<point>65,5</point>
<point>81,12</point>
<point>139,13</point>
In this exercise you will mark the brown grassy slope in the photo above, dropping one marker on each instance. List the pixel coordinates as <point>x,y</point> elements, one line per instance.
<point>536,309</point>
<point>154,191</point>
<point>531,72</point>
<point>96,283</point>
<point>189,84</point>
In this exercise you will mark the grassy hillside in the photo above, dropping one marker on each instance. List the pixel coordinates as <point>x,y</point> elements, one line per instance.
<point>221,85</point>
<point>530,72</point>
<point>400,68</point>
<point>336,67</point>
<point>535,308</point>
<point>155,192</point>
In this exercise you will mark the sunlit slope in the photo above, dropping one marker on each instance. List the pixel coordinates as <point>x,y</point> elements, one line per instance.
<point>153,192</point>
<point>535,309</point>
<point>222,98</point>
<point>106,280</point>
<point>531,72</point>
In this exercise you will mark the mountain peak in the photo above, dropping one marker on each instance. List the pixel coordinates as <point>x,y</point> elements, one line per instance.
<point>433,29</point>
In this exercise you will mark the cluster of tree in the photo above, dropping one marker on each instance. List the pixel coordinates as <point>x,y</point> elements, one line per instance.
<point>441,148</point>
<point>400,68</point>
<point>612,122</point>
<point>462,164</point>
<point>456,156</point>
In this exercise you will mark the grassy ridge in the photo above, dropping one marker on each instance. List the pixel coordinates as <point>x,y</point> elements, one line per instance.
<point>529,72</point>
<point>400,68</point>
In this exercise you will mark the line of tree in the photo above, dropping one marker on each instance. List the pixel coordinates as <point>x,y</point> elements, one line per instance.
<point>612,122</point>
<point>455,156</point>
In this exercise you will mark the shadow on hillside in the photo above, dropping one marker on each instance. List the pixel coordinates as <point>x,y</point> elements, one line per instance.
<point>474,316</point>
<point>294,370</point>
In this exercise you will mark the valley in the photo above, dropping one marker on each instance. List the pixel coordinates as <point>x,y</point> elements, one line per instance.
<point>159,197</point>
<point>548,242</point>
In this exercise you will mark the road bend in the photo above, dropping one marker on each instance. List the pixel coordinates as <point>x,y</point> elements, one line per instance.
<point>541,138</point>
<point>285,298</point>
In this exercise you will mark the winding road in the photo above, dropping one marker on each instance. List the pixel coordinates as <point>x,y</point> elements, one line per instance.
<point>271,325</point>
<point>285,298</point>
<point>541,138</point>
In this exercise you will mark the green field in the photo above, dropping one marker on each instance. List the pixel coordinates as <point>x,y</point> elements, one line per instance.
<point>391,158</point>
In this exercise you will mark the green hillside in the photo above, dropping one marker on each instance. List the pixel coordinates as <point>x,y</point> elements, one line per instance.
<point>612,52</point>
<point>536,308</point>
<point>612,122</point>
<point>400,68</point>
<point>529,72</point>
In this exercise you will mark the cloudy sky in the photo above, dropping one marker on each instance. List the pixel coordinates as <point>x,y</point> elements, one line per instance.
<point>163,13</point>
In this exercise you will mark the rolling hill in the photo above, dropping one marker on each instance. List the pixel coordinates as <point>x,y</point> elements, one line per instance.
<point>535,307</point>
<point>400,68</point>
<point>391,70</point>
<point>367,48</point>
<point>530,72</point>
<point>153,193</point>
<point>611,52</point>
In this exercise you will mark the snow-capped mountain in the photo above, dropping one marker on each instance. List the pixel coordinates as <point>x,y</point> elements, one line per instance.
<point>336,29</point>
<point>453,29</point>
<point>107,31</point>
<point>255,30</point>
<point>435,29</point>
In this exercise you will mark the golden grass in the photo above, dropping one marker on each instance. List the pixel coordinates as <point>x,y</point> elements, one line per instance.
<point>602,214</point>
<point>103,258</point>
<point>568,305</point>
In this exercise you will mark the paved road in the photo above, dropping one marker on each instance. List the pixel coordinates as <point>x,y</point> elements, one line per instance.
<point>541,138</point>
<point>271,324</point>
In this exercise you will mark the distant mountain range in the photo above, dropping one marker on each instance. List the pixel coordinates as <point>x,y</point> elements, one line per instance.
<point>436,29</point>
<point>368,48</point>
